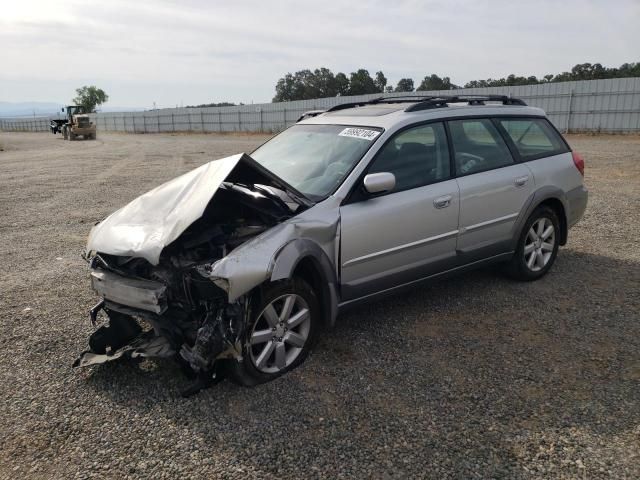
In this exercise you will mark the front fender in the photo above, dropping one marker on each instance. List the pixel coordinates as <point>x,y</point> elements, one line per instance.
<point>290,256</point>
<point>275,253</point>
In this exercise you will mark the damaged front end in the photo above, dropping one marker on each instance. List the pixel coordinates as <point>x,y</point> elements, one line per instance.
<point>151,263</point>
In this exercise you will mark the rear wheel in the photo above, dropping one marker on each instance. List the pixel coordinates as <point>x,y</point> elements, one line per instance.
<point>538,245</point>
<point>280,335</point>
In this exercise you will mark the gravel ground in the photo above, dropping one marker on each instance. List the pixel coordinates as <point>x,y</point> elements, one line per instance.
<point>473,377</point>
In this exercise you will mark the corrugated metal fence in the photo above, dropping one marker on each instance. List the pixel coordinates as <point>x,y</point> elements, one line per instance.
<point>608,106</point>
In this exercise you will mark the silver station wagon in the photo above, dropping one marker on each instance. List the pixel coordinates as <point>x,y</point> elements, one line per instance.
<point>233,268</point>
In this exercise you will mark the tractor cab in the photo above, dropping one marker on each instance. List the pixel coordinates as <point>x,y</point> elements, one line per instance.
<point>78,123</point>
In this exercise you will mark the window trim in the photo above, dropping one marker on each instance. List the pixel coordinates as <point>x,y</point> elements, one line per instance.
<point>356,194</point>
<point>513,147</point>
<point>489,118</point>
<point>349,198</point>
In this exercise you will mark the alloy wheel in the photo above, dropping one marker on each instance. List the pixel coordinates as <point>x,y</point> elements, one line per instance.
<point>539,244</point>
<point>280,333</point>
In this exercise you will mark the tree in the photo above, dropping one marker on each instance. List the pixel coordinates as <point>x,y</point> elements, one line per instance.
<point>90,97</point>
<point>342,84</point>
<point>380,81</point>
<point>361,83</point>
<point>214,104</point>
<point>305,84</point>
<point>434,82</point>
<point>405,85</point>
<point>321,82</point>
<point>284,89</point>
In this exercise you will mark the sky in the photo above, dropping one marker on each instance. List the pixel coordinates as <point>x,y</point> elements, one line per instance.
<point>200,51</point>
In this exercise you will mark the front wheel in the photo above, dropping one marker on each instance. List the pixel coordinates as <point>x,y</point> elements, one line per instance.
<point>282,330</point>
<point>538,245</point>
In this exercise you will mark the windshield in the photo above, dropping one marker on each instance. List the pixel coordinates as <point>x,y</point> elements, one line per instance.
<point>315,159</point>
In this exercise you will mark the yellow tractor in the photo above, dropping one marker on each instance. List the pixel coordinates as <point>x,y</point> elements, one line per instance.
<point>78,123</point>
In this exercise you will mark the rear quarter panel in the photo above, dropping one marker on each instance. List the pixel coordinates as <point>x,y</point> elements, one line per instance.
<point>558,172</point>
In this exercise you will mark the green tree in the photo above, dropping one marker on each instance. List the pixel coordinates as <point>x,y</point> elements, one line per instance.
<point>380,81</point>
<point>361,83</point>
<point>284,89</point>
<point>434,82</point>
<point>404,85</point>
<point>342,84</point>
<point>90,97</point>
<point>305,84</point>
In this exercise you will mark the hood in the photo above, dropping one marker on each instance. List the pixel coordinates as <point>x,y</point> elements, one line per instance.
<point>154,220</point>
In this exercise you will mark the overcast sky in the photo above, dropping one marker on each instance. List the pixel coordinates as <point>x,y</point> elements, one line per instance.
<point>190,52</point>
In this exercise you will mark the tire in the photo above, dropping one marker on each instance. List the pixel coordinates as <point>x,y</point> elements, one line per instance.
<point>274,345</point>
<point>65,133</point>
<point>72,136</point>
<point>537,246</point>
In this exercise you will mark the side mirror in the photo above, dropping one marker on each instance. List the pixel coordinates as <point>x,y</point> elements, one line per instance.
<point>375,183</point>
<point>63,109</point>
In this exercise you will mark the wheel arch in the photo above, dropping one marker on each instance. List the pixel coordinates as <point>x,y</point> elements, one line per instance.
<point>552,197</point>
<point>305,259</point>
<point>558,207</point>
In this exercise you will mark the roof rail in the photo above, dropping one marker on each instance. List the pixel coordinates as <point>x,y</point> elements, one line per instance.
<point>342,106</point>
<point>405,98</point>
<point>422,102</point>
<point>442,101</point>
<point>309,114</point>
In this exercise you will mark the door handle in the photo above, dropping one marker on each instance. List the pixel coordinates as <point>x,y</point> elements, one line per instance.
<point>521,181</point>
<point>442,202</point>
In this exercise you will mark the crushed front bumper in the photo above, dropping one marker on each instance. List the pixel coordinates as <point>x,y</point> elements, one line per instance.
<point>145,345</point>
<point>122,336</point>
<point>132,292</point>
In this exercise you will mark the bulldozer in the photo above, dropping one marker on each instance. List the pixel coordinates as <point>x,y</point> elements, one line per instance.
<point>76,124</point>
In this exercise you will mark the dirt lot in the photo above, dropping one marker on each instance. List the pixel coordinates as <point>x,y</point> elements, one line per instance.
<point>476,376</point>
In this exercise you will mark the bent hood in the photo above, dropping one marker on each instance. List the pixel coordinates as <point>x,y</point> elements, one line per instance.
<point>154,220</point>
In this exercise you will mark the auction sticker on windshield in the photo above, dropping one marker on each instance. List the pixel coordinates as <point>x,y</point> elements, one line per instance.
<point>362,133</point>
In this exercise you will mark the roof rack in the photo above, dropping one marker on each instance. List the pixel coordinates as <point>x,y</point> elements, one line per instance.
<point>437,102</point>
<point>419,103</point>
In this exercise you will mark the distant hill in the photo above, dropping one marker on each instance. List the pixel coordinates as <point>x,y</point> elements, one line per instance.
<point>46,109</point>
<point>25,109</point>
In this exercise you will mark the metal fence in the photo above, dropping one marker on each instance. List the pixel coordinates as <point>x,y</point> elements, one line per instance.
<point>608,106</point>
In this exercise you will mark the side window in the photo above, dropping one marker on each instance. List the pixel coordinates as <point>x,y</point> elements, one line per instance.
<point>417,156</point>
<point>478,146</point>
<point>533,137</point>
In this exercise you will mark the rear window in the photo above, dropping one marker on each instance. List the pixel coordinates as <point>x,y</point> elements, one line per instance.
<point>533,137</point>
<point>478,146</point>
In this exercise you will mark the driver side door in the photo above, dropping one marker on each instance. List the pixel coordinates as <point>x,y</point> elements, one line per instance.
<point>410,231</point>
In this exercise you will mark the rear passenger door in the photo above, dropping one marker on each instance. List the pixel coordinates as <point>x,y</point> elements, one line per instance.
<point>494,189</point>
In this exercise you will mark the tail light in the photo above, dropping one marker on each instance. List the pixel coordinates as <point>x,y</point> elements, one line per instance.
<point>578,162</point>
